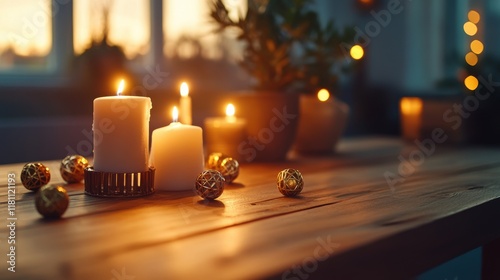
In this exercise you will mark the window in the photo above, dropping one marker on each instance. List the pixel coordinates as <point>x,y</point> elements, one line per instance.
<point>126,23</point>
<point>188,32</point>
<point>38,38</point>
<point>25,35</point>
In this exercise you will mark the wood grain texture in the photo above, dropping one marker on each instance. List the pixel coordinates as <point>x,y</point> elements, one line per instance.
<point>348,223</point>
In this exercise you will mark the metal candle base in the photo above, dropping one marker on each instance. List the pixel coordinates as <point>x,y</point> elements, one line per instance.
<point>111,184</point>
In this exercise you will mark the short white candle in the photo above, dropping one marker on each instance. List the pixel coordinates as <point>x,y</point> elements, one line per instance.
<point>177,155</point>
<point>224,135</point>
<point>121,133</point>
<point>185,115</point>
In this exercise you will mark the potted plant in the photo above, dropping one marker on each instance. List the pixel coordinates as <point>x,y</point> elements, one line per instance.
<point>277,35</point>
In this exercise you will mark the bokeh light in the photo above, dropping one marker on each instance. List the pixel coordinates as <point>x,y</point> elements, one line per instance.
<point>471,82</point>
<point>471,58</point>
<point>473,16</point>
<point>470,28</point>
<point>357,52</point>
<point>476,46</point>
<point>323,95</point>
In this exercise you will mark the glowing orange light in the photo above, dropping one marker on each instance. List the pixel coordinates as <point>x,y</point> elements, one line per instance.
<point>474,16</point>
<point>411,105</point>
<point>323,95</point>
<point>357,52</point>
<point>184,89</point>
<point>175,114</point>
<point>476,46</point>
<point>471,58</point>
<point>470,28</point>
<point>121,86</point>
<point>471,82</point>
<point>230,110</point>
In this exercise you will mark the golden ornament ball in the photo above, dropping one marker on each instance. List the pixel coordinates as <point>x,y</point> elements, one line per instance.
<point>35,175</point>
<point>290,182</point>
<point>214,160</point>
<point>51,201</point>
<point>226,165</point>
<point>209,184</point>
<point>229,168</point>
<point>73,168</point>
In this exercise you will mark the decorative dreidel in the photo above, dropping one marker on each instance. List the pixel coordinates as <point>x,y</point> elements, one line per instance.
<point>73,168</point>
<point>209,184</point>
<point>290,182</point>
<point>226,165</point>
<point>34,176</point>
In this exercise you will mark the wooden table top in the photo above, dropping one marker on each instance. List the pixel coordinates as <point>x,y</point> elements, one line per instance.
<point>348,223</point>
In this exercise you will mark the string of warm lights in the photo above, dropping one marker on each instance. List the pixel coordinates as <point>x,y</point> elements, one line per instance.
<point>476,47</point>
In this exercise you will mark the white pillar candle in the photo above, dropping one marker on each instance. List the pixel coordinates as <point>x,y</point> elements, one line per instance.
<point>224,135</point>
<point>121,133</point>
<point>177,155</point>
<point>185,115</point>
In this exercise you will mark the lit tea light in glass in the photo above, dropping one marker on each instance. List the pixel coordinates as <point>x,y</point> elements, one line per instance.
<point>411,117</point>
<point>225,134</point>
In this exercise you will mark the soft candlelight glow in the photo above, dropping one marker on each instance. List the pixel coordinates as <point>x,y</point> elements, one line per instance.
<point>185,115</point>
<point>411,105</point>
<point>411,117</point>
<point>175,114</point>
<point>323,95</point>
<point>225,134</point>
<point>184,89</point>
<point>357,52</point>
<point>121,86</point>
<point>230,110</point>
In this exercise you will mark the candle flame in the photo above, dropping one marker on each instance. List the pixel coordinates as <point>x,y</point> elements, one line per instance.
<point>121,86</point>
<point>230,110</point>
<point>175,114</point>
<point>184,89</point>
<point>323,95</point>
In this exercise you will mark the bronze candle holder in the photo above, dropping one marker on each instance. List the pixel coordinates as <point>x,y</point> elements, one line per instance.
<point>112,184</point>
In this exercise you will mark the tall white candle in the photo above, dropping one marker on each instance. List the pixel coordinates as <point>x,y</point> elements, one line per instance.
<point>177,155</point>
<point>121,133</point>
<point>185,115</point>
<point>224,135</point>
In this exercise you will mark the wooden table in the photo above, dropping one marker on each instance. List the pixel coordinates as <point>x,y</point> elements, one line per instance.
<point>348,223</point>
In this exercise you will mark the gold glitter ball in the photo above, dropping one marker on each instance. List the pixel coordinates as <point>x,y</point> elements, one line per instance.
<point>209,184</point>
<point>51,201</point>
<point>290,182</point>
<point>226,165</point>
<point>73,168</point>
<point>35,175</point>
